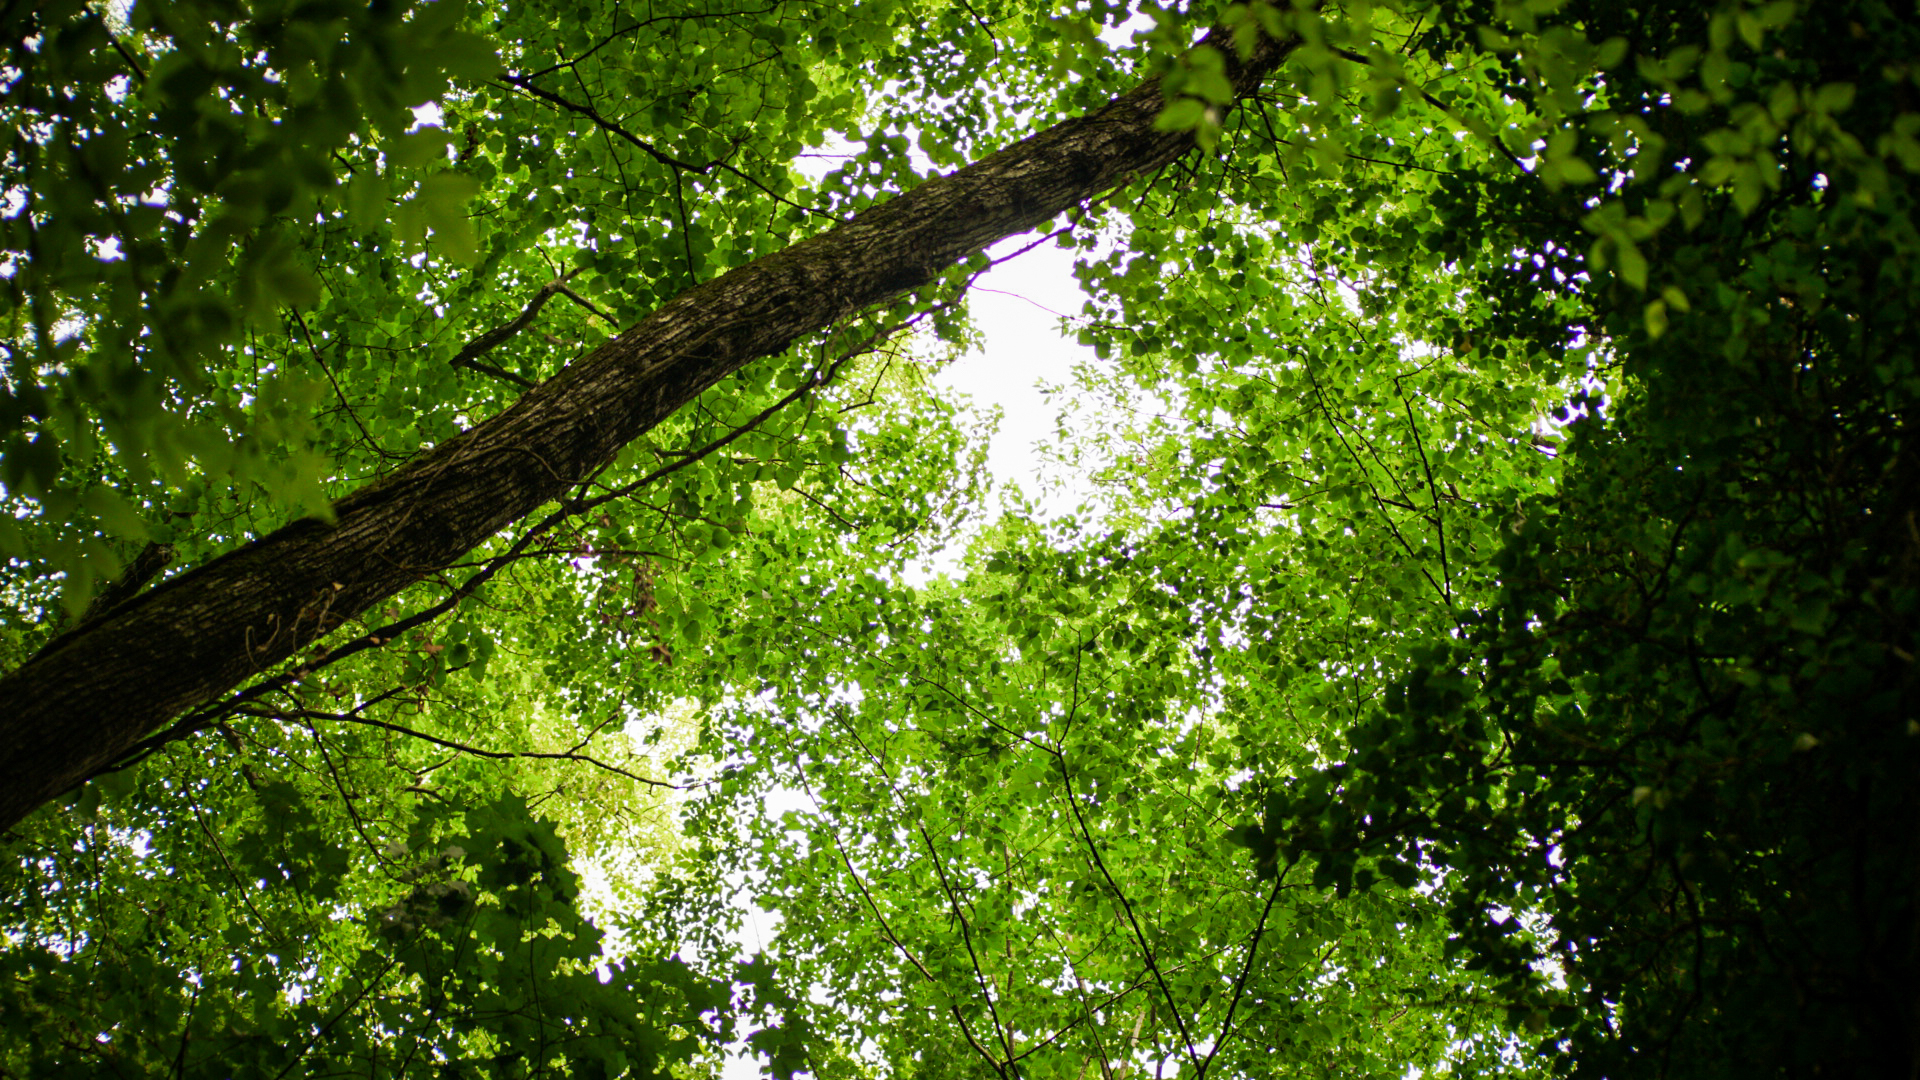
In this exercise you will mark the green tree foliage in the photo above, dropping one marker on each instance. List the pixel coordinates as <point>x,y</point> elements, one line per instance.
<point>1487,646</point>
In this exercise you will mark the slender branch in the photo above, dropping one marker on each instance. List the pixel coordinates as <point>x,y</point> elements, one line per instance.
<point>643,24</point>
<point>820,379</point>
<point>593,115</point>
<point>313,350</point>
<point>243,888</point>
<point>337,1017</point>
<point>1146,950</point>
<point>469,357</point>
<point>886,929</point>
<point>1433,490</point>
<point>346,798</point>
<point>1246,969</point>
<point>202,718</point>
<point>497,755</point>
<point>966,936</point>
<point>985,27</point>
<point>561,288</point>
<point>138,74</point>
<point>186,1033</point>
<point>1367,478</point>
<point>1490,139</point>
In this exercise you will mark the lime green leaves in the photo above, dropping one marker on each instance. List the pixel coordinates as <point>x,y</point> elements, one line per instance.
<point>275,273</point>
<point>440,205</point>
<point>1494,448</point>
<point>367,200</point>
<point>1753,23</point>
<point>1620,236</point>
<point>467,55</point>
<point>437,205</point>
<point>1198,94</point>
<point>179,231</point>
<point>1560,165</point>
<point>417,148</point>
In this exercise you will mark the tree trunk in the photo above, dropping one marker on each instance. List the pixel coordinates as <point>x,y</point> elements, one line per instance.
<point>81,705</point>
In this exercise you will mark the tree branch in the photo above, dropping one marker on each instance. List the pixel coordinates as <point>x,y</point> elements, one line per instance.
<point>1246,969</point>
<point>497,755</point>
<point>524,83</point>
<point>469,357</point>
<point>83,705</point>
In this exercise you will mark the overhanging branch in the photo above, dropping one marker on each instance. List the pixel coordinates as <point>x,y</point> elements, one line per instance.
<point>190,639</point>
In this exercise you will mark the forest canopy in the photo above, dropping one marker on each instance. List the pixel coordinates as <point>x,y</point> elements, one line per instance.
<point>471,472</point>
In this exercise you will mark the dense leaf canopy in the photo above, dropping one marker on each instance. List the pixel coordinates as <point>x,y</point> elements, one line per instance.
<point>490,454</point>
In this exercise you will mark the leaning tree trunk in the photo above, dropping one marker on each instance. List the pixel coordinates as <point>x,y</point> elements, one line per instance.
<point>82,704</point>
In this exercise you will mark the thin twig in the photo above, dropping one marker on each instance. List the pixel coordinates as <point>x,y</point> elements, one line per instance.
<point>966,936</point>
<point>1146,950</point>
<point>497,755</point>
<point>127,56</point>
<point>522,83</point>
<point>321,1032</point>
<point>313,349</point>
<point>1489,138</point>
<point>1240,984</point>
<point>469,357</point>
<point>643,24</point>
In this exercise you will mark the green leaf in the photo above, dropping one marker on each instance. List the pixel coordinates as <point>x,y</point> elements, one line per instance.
<point>120,517</point>
<point>1834,97</point>
<point>368,201</point>
<point>1181,114</point>
<point>1630,263</point>
<point>468,56</point>
<point>1656,318</point>
<point>417,149</point>
<point>443,201</point>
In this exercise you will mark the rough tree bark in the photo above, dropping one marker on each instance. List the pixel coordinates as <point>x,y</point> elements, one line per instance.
<point>81,705</point>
